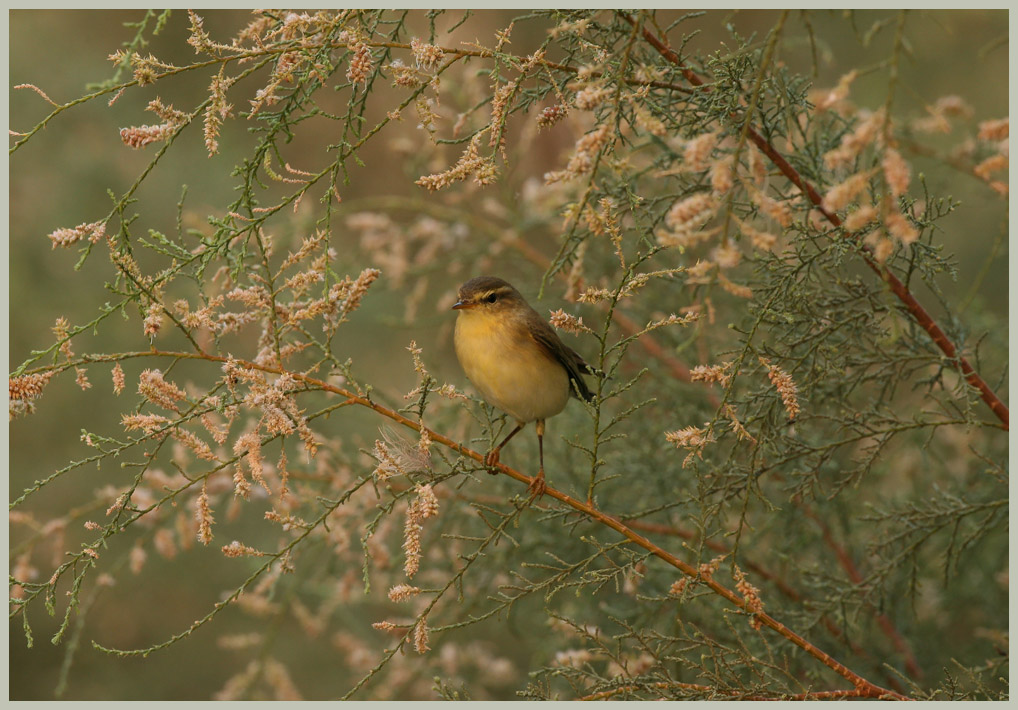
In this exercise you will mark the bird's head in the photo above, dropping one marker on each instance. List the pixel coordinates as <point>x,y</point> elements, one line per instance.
<point>488,294</point>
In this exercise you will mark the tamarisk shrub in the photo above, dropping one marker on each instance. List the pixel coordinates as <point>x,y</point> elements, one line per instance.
<point>242,453</point>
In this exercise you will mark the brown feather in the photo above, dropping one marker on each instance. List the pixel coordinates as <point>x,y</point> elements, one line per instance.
<point>553,346</point>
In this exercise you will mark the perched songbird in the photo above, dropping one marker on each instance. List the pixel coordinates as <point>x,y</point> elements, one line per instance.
<point>514,358</point>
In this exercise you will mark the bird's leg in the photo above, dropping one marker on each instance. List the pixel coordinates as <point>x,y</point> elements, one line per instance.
<point>537,486</point>
<point>491,460</point>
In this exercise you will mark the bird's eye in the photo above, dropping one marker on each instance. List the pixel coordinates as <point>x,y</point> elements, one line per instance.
<point>491,298</point>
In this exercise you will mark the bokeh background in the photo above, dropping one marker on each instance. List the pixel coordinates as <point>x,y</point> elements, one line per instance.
<point>62,176</point>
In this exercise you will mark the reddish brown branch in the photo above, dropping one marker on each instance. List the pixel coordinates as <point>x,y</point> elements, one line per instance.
<point>962,166</point>
<point>918,313</point>
<point>761,572</point>
<point>819,695</point>
<point>845,559</point>
<point>790,592</point>
<point>863,687</point>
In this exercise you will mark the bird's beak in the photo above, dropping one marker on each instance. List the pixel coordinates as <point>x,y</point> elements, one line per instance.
<point>459,305</point>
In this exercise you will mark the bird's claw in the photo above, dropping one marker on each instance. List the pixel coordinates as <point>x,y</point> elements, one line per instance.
<point>491,461</point>
<point>537,486</point>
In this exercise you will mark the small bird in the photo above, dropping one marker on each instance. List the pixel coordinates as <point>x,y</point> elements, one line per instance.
<point>516,361</point>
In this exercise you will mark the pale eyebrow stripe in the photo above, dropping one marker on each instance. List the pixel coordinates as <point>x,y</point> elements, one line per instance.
<point>498,291</point>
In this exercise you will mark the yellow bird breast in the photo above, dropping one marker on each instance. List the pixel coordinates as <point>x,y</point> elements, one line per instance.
<point>510,370</point>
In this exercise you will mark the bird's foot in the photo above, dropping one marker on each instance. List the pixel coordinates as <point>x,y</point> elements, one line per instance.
<point>491,461</point>
<point>537,486</point>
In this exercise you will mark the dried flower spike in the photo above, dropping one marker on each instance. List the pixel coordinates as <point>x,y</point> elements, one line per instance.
<point>860,218</point>
<point>360,64</point>
<point>118,379</point>
<point>426,56</point>
<point>402,592</point>
<point>568,322</point>
<point>550,115</point>
<point>994,130</point>
<point>203,514</point>
<point>896,172</point>
<point>66,237</point>
<point>899,227</point>
<point>412,540</point>
<point>692,438</point>
<point>157,390</point>
<point>587,149</point>
<point>712,373</point>
<point>421,636</point>
<point>698,150</point>
<point>427,502</point>
<point>750,595</point>
<point>838,197</point>
<point>27,387</point>
<point>785,386</point>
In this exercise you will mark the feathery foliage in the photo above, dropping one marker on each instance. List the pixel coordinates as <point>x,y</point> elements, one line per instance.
<point>791,482</point>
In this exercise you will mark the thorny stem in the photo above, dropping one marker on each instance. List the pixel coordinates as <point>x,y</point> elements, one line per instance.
<point>863,687</point>
<point>915,309</point>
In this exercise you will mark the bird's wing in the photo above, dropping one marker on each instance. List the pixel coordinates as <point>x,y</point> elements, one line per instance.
<point>575,366</point>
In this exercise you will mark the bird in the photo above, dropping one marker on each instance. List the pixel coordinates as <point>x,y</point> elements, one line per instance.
<point>515,360</point>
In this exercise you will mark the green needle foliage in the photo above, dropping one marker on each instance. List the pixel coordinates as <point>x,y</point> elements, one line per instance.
<point>792,480</point>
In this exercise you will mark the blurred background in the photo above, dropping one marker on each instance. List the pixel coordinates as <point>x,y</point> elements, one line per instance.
<point>62,178</point>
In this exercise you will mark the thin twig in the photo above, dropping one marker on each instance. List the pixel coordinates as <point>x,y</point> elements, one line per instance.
<point>790,592</point>
<point>819,695</point>
<point>863,687</point>
<point>918,313</point>
<point>886,625</point>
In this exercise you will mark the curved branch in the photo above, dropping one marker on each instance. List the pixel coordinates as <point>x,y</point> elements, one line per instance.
<point>819,695</point>
<point>863,687</point>
<point>915,309</point>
